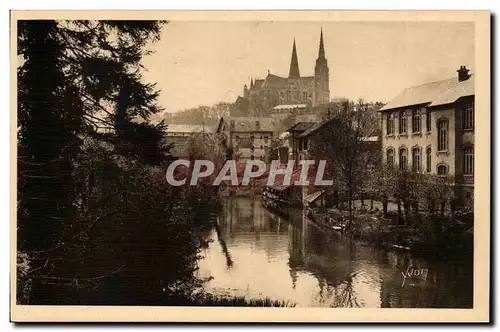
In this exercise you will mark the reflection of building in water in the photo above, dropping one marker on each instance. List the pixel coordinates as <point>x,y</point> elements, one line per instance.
<point>333,261</point>
<point>245,220</point>
<point>297,233</point>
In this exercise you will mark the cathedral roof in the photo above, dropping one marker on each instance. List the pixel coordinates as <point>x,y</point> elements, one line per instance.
<point>274,81</point>
<point>307,80</point>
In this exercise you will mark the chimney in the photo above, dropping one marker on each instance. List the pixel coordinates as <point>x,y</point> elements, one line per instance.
<point>463,74</point>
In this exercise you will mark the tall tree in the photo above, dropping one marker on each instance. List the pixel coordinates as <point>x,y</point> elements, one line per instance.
<point>75,79</point>
<point>49,119</point>
<point>346,143</point>
<point>104,60</point>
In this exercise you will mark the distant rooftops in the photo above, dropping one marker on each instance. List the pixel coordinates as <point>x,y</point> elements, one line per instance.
<point>287,107</point>
<point>435,93</point>
<point>181,128</point>
<point>301,126</point>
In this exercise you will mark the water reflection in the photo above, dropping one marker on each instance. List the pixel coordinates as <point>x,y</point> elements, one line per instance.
<point>258,254</point>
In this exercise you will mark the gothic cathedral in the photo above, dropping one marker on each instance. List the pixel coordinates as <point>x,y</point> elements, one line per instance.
<point>264,94</point>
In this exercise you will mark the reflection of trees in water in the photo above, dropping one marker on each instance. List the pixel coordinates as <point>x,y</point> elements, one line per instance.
<point>328,259</point>
<point>344,295</point>
<point>332,258</point>
<point>225,251</point>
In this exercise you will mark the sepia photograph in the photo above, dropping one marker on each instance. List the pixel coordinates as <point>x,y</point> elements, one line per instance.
<point>319,163</point>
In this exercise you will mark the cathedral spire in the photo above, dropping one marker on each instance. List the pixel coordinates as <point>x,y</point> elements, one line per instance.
<point>321,53</point>
<point>294,64</point>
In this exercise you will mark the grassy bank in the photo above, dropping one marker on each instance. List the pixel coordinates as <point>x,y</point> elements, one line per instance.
<point>238,301</point>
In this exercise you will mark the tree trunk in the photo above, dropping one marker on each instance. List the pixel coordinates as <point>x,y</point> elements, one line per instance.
<point>399,211</point>
<point>406,206</point>
<point>385,203</point>
<point>349,202</point>
<point>371,202</point>
<point>362,199</point>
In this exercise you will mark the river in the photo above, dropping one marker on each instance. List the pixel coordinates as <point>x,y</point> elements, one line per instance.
<point>257,254</point>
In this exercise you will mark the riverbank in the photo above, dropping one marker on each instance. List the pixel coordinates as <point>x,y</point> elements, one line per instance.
<point>435,235</point>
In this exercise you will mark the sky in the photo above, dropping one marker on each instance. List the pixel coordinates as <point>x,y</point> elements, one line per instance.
<point>204,62</point>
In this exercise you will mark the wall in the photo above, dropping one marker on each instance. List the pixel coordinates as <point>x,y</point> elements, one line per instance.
<point>422,139</point>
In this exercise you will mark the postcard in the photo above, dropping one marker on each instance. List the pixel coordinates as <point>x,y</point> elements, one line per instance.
<point>250,166</point>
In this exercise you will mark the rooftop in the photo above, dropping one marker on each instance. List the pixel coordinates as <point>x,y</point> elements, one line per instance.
<point>301,126</point>
<point>176,128</point>
<point>433,94</point>
<point>287,107</point>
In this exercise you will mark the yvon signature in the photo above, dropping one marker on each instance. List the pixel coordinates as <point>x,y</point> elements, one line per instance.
<point>411,271</point>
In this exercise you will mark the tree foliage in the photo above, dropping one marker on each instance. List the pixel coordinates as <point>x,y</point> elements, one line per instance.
<point>95,220</point>
<point>345,142</point>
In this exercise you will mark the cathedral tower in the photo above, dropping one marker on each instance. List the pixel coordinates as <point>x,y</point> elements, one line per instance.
<point>294,64</point>
<point>321,75</point>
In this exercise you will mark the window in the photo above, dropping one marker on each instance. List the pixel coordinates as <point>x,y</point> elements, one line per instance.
<point>428,120</point>
<point>232,124</point>
<point>304,96</point>
<point>402,122</point>
<point>300,145</point>
<point>442,127</point>
<point>469,160</point>
<point>416,159</point>
<point>415,121</point>
<point>390,124</point>
<point>428,160</point>
<point>252,138</point>
<point>442,169</point>
<point>257,124</point>
<point>288,96</point>
<point>403,158</point>
<point>390,157</point>
<point>305,144</point>
<point>469,115</point>
<point>266,139</point>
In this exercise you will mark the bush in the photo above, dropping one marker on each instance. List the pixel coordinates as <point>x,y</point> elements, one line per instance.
<point>135,240</point>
